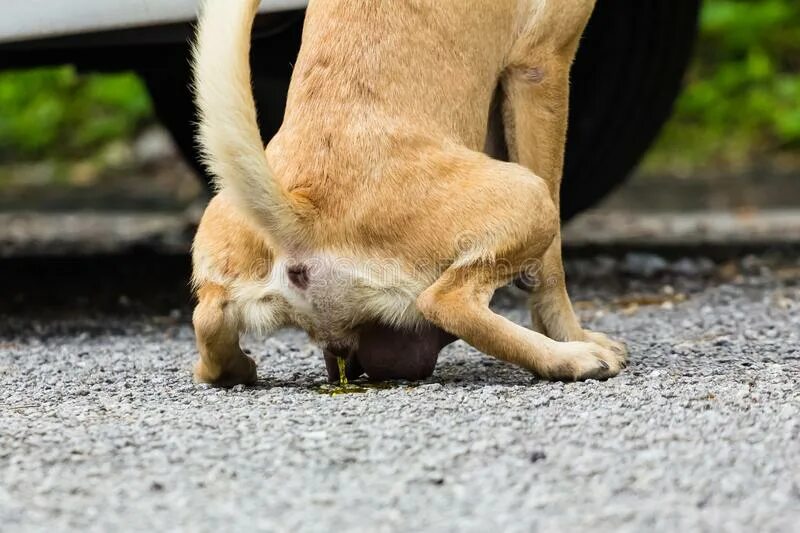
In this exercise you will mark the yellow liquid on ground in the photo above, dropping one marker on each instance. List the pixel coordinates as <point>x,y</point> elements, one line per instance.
<point>342,372</point>
<point>345,387</point>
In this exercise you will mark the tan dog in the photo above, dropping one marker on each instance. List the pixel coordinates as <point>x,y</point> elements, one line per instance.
<point>374,202</point>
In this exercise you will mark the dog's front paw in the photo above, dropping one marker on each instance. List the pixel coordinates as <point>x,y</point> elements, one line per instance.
<point>608,343</point>
<point>579,361</point>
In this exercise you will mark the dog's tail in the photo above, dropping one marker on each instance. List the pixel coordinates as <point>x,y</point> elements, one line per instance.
<point>229,137</point>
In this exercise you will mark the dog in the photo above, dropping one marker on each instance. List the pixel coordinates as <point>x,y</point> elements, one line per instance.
<point>375,203</point>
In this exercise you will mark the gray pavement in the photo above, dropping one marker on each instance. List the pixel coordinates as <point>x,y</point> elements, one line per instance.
<point>101,428</point>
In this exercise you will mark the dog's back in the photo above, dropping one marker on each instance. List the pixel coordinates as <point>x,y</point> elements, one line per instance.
<point>389,100</point>
<point>380,91</point>
<point>383,92</point>
<point>431,63</point>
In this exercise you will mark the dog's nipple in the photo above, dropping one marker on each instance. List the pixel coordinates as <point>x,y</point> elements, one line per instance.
<point>298,275</point>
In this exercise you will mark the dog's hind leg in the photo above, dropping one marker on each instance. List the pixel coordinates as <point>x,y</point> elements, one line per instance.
<point>216,324</point>
<point>459,303</point>
<point>536,105</point>
<point>517,224</point>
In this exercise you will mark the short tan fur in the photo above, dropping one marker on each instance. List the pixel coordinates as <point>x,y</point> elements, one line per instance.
<point>375,202</point>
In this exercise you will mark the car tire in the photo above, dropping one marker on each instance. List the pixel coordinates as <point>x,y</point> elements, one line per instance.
<point>626,77</point>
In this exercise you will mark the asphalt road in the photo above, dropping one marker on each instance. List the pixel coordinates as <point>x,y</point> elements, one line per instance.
<point>101,428</point>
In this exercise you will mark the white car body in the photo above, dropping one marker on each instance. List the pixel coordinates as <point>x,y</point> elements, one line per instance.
<point>26,20</point>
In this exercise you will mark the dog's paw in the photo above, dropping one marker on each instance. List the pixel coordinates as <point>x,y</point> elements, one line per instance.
<point>241,371</point>
<point>608,343</point>
<point>579,361</point>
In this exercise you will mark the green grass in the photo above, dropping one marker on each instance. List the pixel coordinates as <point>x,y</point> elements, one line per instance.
<point>742,100</point>
<point>55,113</point>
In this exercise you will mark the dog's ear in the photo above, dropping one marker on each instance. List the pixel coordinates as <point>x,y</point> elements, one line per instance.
<point>388,353</point>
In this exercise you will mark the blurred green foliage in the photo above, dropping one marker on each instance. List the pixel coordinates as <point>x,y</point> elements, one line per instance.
<point>742,99</point>
<point>56,113</point>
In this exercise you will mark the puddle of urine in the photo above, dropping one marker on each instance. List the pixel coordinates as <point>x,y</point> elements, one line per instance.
<point>345,387</point>
<point>336,389</point>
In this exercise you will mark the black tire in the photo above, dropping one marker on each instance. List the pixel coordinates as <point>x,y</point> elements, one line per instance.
<point>625,80</point>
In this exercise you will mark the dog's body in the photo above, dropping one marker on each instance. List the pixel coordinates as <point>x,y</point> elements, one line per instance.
<point>375,203</point>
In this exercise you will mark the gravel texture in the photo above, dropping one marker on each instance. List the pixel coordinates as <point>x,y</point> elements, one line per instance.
<point>101,428</point>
